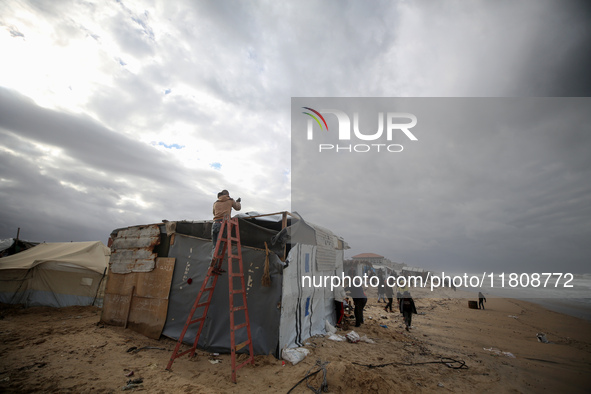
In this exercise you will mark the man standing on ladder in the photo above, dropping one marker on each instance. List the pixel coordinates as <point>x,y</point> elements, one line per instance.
<point>224,230</point>
<point>222,208</point>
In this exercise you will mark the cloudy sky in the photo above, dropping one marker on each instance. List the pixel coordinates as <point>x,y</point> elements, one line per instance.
<point>489,184</point>
<point>116,113</point>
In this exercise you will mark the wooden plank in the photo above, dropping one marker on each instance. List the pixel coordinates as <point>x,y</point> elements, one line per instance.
<point>149,304</point>
<point>149,308</point>
<point>116,299</point>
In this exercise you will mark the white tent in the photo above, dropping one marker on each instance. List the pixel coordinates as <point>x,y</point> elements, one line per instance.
<point>54,274</point>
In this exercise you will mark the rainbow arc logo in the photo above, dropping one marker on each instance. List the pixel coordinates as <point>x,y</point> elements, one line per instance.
<point>315,118</point>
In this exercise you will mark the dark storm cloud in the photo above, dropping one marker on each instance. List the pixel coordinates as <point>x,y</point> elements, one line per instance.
<point>34,200</point>
<point>503,48</point>
<point>491,183</point>
<point>93,181</point>
<point>558,57</point>
<point>231,69</point>
<point>81,138</point>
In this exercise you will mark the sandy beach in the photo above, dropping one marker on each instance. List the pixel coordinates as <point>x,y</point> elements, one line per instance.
<point>450,348</point>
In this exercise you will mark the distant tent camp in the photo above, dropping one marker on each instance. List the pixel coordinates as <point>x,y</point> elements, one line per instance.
<point>156,272</point>
<point>54,274</point>
<point>11,246</point>
<point>417,272</point>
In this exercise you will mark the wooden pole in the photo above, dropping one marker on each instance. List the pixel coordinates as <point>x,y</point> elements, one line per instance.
<point>16,247</point>
<point>283,226</point>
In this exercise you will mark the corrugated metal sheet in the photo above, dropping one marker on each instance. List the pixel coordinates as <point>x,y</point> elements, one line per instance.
<point>133,249</point>
<point>325,249</point>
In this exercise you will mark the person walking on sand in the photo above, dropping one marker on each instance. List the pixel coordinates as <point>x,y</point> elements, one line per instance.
<point>389,292</point>
<point>381,294</point>
<point>359,299</point>
<point>407,308</point>
<point>399,292</point>
<point>339,303</point>
<point>481,300</point>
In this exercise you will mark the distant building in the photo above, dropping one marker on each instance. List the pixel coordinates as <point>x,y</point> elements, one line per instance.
<point>415,271</point>
<point>367,263</point>
<point>397,266</point>
<point>372,262</point>
<point>369,258</point>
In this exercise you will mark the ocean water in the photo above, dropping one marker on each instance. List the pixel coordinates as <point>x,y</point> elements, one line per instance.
<point>580,308</point>
<point>561,293</point>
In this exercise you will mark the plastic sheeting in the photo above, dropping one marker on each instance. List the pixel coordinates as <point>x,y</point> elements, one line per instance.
<point>305,309</point>
<point>54,274</point>
<point>49,284</point>
<point>90,255</point>
<point>193,257</point>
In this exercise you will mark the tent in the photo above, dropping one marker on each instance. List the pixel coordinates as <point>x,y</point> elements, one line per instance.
<point>156,272</point>
<point>54,274</point>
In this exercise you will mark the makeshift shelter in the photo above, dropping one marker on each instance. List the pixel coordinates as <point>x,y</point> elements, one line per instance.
<point>156,272</point>
<point>54,274</point>
<point>11,246</point>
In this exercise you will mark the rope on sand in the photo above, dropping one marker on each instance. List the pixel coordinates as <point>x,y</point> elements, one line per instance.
<point>323,386</point>
<point>448,362</point>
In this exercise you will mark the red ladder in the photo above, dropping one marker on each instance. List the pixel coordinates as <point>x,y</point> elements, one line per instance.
<point>226,238</point>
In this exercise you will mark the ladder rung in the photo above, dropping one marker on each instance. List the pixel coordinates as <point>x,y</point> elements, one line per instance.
<point>238,308</point>
<point>239,326</point>
<point>241,345</point>
<point>237,291</point>
<point>248,361</point>
<point>232,237</point>
<point>202,304</point>
<point>196,320</point>
<point>183,353</point>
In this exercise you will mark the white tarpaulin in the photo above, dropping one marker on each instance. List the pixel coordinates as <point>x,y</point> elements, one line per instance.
<point>54,274</point>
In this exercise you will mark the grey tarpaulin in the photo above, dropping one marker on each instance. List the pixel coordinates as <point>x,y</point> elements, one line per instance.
<point>282,315</point>
<point>193,256</point>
